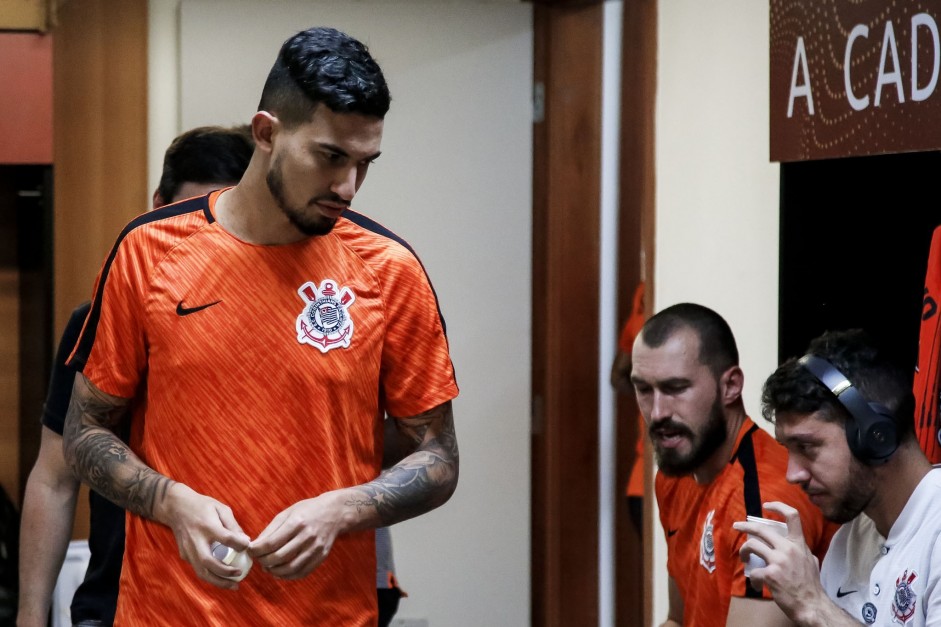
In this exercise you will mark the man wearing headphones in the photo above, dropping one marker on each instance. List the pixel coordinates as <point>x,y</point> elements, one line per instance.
<point>715,467</point>
<point>845,414</point>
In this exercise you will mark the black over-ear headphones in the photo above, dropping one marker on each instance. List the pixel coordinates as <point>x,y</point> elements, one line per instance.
<point>871,432</point>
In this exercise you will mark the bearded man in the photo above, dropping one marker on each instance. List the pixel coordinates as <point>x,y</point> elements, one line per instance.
<point>716,467</point>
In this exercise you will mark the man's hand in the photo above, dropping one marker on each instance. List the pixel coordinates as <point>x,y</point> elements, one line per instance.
<point>792,572</point>
<point>299,538</point>
<point>197,521</point>
<point>109,466</point>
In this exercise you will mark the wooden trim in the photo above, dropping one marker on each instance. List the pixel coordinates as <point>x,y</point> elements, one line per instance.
<point>99,144</point>
<point>566,222</point>
<point>635,263</point>
<point>100,140</point>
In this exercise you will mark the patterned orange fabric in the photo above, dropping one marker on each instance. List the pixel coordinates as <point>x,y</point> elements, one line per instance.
<point>260,374</point>
<point>635,322</point>
<point>926,385</point>
<point>702,546</point>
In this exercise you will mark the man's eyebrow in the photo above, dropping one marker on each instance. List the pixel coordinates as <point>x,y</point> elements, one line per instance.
<point>670,382</point>
<point>332,148</point>
<point>674,381</point>
<point>799,438</point>
<point>341,152</point>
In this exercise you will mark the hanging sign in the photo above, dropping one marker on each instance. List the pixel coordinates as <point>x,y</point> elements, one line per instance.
<point>854,77</point>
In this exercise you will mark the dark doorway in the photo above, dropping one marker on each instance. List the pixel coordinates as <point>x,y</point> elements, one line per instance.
<point>855,235</point>
<point>26,297</point>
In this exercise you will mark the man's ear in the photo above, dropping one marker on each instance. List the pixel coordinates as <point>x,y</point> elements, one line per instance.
<point>158,200</point>
<point>731,383</point>
<point>264,128</point>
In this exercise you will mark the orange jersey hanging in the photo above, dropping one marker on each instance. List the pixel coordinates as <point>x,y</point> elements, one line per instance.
<point>635,322</point>
<point>929,353</point>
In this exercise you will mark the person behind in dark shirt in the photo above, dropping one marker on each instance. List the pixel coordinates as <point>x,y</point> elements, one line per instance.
<point>197,162</point>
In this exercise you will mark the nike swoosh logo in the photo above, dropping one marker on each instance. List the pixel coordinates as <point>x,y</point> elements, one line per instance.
<point>840,594</point>
<point>671,532</point>
<point>185,311</point>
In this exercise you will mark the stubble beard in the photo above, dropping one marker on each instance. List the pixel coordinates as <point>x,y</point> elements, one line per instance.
<point>857,496</point>
<point>306,224</point>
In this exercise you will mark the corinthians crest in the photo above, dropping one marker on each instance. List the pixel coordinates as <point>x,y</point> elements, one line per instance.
<point>707,546</point>
<point>905,599</point>
<point>325,321</point>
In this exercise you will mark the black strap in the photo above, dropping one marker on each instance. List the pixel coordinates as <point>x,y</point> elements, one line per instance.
<point>745,456</point>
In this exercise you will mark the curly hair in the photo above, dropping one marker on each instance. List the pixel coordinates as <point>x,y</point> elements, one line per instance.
<point>323,65</point>
<point>794,389</point>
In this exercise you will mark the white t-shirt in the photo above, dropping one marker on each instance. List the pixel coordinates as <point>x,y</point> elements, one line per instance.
<point>890,581</point>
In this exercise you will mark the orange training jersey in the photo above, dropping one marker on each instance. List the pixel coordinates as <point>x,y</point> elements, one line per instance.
<point>929,355</point>
<point>259,376</point>
<point>635,321</point>
<point>702,547</point>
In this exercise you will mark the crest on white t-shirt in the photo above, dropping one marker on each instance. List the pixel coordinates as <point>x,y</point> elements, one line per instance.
<point>905,599</point>
<point>707,546</point>
<point>325,321</point>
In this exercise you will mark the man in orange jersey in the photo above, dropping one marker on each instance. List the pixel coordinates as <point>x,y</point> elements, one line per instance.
<point>258,335</point>
<point>715,467</point>
<point>198,161</point>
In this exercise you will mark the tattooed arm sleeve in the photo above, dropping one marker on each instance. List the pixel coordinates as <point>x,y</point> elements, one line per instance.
<point>423,480</point>
<point>99,458</point>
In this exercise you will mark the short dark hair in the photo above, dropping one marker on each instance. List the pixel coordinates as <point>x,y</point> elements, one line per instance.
<point>207,154</point>
<point>793,388</point>
<point>717,347</point>
<point>323,65</point>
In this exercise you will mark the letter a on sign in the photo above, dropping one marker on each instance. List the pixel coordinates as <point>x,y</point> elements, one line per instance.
<point>803,90</point>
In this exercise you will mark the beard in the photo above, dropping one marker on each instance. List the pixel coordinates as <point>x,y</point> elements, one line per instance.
<point>855,498</point>
<point>713,434</point>
<point>305,222</point>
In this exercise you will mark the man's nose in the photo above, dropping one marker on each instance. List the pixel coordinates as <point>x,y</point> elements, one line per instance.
<point>659,408</point>
<point>344,185</point>
<point>796,472</point>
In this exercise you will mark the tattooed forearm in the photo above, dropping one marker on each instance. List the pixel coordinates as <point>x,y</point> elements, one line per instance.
<point>98,457</point>
<point>422,481</point>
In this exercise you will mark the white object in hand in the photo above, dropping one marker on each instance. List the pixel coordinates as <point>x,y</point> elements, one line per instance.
<point>775,525</point>
<point>230,557</point>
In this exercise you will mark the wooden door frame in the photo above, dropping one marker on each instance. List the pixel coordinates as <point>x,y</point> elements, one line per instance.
<point>568,40</point>
<point>99,106</point>
<point>635,262</point>
<point>566,195</point>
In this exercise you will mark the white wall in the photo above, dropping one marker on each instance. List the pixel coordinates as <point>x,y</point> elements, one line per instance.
<point>717,193</point>
<point>455,180</point>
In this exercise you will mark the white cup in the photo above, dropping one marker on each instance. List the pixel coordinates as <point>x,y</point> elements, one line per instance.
<point>776,525</point>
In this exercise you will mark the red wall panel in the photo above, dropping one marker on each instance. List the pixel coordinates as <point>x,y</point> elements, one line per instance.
<point>25,98</point>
